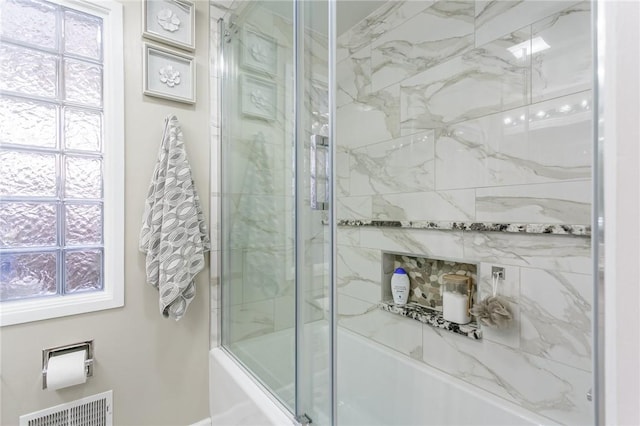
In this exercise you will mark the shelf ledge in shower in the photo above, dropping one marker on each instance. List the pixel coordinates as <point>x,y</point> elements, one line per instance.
<point>516,228</point>
<point>432,318</point>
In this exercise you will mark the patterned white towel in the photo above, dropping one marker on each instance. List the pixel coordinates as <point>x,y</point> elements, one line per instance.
<point>174,234</point>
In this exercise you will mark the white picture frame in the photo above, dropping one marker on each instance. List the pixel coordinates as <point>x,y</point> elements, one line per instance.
<point>258,98</point>
<point>168,74</point>
<point>172,22</point>
<point>259,51</point>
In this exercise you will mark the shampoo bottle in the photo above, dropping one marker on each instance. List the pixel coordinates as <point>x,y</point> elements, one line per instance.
<point>400,286</point>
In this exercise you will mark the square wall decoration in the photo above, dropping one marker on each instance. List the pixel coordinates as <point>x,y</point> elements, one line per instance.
<point>258,98</point>
<point>170,21</point>
<point>169,74</point>
<point>259,52</point>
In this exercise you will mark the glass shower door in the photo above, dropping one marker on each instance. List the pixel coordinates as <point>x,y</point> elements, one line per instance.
<point>313,214</point>
<point>275,182</point>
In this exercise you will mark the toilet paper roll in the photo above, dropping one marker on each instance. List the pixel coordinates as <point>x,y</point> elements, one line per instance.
<point>66,370</point>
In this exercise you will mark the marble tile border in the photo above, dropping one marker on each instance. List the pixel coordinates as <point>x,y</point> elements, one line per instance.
<point>432,318</point>
<point>516,228</point>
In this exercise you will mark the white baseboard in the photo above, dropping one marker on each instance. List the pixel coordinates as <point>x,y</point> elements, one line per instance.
<point>203,422</point>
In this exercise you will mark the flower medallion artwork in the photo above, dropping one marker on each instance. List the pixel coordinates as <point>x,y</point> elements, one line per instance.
<point>260,52</point>
<point>168,20</point>
<point>169,75</point>
<point>258,97</point>
<point>260,100</point>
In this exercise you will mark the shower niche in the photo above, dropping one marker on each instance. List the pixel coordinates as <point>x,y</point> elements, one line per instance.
<point>427,277</point>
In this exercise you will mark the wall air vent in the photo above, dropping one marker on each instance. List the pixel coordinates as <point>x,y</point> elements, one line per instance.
<point>95,410</point>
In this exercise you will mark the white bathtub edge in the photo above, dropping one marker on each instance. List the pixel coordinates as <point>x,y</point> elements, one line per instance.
<point>203,422</point>
<point>253,392</point>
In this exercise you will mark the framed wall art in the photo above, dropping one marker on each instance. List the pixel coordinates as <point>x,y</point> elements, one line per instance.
<point>169,74</point>
<point>259,98</point>
<point>170,21</point>
<point>259,52</point>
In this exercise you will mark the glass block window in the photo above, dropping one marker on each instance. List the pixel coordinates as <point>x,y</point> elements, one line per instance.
<point>51,151</point>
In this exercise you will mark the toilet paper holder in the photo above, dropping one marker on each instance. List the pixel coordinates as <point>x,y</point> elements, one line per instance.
<point>47,354</point>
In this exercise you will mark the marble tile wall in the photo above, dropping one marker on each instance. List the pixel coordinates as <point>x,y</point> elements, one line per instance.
<point>455,111</point>
<point>467,111</point>
<point>542,361</point>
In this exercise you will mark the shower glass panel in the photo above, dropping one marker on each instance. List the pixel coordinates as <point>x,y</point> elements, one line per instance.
<point>258,253</point>
<point>275,183</point>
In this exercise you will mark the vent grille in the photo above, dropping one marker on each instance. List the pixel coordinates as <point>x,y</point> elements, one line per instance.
<point>96,410</point>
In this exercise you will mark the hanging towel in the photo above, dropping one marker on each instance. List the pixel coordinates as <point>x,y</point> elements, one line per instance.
<point>174,233</point>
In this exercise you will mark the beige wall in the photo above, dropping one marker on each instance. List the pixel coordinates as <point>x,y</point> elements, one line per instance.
<point>156,367</point>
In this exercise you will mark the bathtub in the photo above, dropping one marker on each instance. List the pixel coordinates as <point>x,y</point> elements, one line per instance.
<point>376,387</point>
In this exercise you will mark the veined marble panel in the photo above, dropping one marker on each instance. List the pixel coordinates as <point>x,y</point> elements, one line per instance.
<point>215,203</point>
<point>508,288</point>
<point>432,36</point>
<point>284,312</point>
<point>261,160</point>
<point>458,205</point>
<point>260,221</point>
<point>348,236</point>
<point>383,19</point>
<point>562,202</point>
<point>545,142</point>
<point>566,66</point>
<point>495,18</point>
<point>375,118</point>
<point>233,286</point>
<point>349,307</point>
<point>355,207</point>
<point>284,315</point>
<point>343,171</point>
<point>394,331</point>
<point>535,251</point>
<point>265,273</point>
<point>547,388</point>
<point>556,316</point>
<point>251,320</point>
<point>359,272</point>
<point>353,76</point>
<point>440,244</point>
<point>483,81</point>
<point>215,335</point>
<point>400,165</point>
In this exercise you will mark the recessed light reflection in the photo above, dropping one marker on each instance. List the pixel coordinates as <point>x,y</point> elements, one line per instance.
<point>541,114</point>
<point>507,120</point>
<point>565,108</point>
<point>528,47</point>
<point>522,117</point>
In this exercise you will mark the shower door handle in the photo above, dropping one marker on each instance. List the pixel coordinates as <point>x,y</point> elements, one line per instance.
<point>319,144</point>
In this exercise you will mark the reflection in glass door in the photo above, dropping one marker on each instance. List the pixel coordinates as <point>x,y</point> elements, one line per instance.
<point>276,235</point>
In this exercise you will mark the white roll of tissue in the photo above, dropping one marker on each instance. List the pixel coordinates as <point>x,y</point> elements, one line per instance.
<point>66,370</point>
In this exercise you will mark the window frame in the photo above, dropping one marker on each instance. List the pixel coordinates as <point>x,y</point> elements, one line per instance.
<point>112,295</point>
